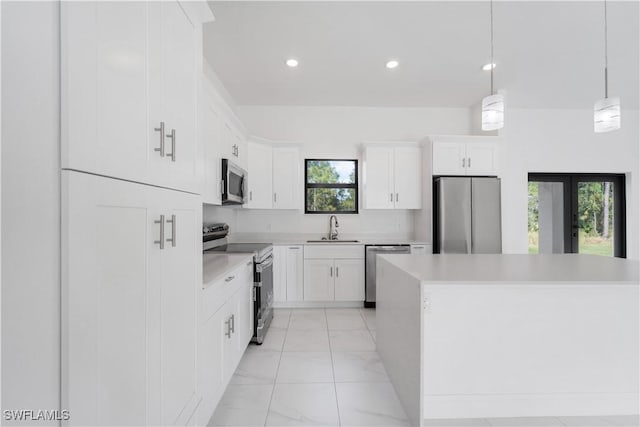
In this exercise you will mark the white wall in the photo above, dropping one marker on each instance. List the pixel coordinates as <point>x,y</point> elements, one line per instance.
<point>30,206</point>
<point>336,132</point>
<point>564,141</point>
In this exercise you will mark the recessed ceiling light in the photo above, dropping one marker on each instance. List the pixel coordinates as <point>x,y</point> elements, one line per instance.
<point>488,67</point>
<point>392,64</point>
<point>291,62</point>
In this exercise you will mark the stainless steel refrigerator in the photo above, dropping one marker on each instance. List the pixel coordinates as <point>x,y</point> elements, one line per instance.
<point>467,215</point>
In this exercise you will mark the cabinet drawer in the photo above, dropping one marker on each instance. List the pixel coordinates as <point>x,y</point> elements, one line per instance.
<point>216,295</point>
<point>330,251</point>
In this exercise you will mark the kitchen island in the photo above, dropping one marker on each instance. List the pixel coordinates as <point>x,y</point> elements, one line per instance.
<point>478,336</point>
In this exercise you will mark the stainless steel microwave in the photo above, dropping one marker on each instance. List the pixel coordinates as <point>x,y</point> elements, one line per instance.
<point>234,183</point>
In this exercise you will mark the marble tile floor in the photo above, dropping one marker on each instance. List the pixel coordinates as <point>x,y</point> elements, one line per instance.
<point>319,367</point>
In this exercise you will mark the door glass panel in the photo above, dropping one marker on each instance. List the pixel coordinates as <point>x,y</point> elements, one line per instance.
<point>595,218</point>
<point>546,217</point>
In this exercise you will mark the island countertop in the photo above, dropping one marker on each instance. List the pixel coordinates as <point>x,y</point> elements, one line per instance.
<point>476,268</point>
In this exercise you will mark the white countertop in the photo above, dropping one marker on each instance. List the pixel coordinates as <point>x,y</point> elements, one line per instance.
<point>217,265</point>
<point>434,269</point>
<point>282,239</point>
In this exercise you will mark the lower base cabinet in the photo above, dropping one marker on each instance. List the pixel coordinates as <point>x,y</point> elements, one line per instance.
<point>226,328</point>
<point>131,263</point>
<point>334,273</point>
<point>288,273</point>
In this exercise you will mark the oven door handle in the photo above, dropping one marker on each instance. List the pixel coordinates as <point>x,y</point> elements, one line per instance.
<point>264,264</point>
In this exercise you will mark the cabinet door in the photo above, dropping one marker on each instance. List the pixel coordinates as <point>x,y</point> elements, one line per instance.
<point>260,176</point>
<point>110,262</point>
<point>210,365</point>
<point>408,177</point>
<point>244,318</point>
<point>212,164</point>
<point>228,141</point>
<point>242,151</point>
<point>179,108</point>
<point>176,303</point>
<point>279,273</point>
<point>448,158</point>
<point>287,183</point>
<point>318,280</point>
<point>378,179</point>
<point>104,92</point>
<point>294,273</point>
<point>482,158</point>
<point>349,283</point>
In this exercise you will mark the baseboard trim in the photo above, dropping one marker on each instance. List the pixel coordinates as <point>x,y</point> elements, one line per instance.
<point>318,304</point>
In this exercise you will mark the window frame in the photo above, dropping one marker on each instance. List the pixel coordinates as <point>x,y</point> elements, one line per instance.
<point>570,195</point>
<point>354,186</point>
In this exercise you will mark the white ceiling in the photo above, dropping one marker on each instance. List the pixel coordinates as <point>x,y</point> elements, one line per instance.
<point>549,54</point>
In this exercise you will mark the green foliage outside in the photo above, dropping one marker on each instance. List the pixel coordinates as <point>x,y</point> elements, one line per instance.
<point>595,218</point>
<point>330,199</point>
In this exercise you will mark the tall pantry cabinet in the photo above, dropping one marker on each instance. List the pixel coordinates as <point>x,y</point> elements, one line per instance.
<point>131,210</point>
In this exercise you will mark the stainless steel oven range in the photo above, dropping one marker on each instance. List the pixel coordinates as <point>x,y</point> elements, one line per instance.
<point>262,277</point>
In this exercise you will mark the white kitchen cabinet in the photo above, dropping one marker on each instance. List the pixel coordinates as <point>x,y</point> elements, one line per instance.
<point>465,158</point>
<point>129,81</point>
<point>334,272</point>
<point>319,280</point>
<point>287,183</point>
<point>226,327</point>
<point>129,306</point>
<point>211,146</point>
<point>234,144</point>
<point>288,273</point>
<point>260,185</point>
<point>392,177</point>
<point>349,280</point>
<point>408,177</point>
<point>379,179</point>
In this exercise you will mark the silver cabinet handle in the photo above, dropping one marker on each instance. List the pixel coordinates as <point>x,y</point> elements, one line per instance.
<point>250,195</point>
<point>331,271</point>
<point>337,272</point>
<point>173,230</point>
<point>233,323</point>
<point>161,222</point>
<point>161,130</point>
<point>230,278</point>
<point>294,247</point>
<point>275,197</point>
<point>228,323</point>
<point>391,199</point>
<point>463,162</point>
<point>396,197</point>
<point>468,162</point>
<point>221,187</point>
<point>172,136</point>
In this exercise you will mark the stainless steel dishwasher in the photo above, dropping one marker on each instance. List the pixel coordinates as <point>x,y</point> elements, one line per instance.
<point>370,268</point>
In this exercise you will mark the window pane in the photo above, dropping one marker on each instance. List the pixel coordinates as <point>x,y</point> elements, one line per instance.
<point>331,200</point>
<point>546,217</point>
<point>331,171</point>
<point>595,218</point>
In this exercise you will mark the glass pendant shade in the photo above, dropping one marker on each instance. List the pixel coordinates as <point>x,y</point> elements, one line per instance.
<point>493,112</point>
<point>606,115</point>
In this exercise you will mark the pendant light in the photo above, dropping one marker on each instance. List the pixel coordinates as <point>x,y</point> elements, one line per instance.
<point>492,105</point>
<point>606,111</point>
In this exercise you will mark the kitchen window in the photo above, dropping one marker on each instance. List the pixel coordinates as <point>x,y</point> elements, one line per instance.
<point>331,186</point>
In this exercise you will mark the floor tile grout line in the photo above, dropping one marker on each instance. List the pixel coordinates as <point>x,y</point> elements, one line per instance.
<point>273,389</point>
<point>333,370</point>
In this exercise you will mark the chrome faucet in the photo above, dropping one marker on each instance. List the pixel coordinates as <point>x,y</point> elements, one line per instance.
<point>333,229</point>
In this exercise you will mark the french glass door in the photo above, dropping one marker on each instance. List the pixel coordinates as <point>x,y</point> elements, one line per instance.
<point>577,213</point>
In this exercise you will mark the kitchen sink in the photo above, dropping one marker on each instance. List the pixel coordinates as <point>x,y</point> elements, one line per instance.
<point>333,241</point>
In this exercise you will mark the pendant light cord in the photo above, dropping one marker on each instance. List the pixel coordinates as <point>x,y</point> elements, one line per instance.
<point>492,63</point>
<point>606,56</point>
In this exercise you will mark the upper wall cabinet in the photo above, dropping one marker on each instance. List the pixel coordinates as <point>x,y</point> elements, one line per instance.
<point>465,156</point>
<point>129,84</point>
<point>274,176</point>
<point>392,176</point>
